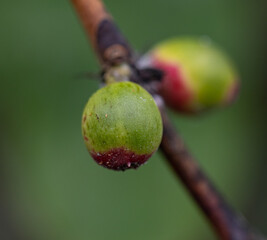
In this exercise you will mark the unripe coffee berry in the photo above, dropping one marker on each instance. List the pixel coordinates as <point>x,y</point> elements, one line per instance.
<point>121,126</point>
<point>198,76</point>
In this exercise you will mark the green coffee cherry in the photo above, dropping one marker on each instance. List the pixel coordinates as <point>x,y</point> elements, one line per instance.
<point>121,126</point>
<point>198,76</point>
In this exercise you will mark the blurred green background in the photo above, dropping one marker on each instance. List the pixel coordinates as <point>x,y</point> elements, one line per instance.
<point>51,188</point>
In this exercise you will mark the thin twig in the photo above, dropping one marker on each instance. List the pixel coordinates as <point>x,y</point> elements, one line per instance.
<point>111,48</point>
<point>226,223</point>
<point>109,44</point>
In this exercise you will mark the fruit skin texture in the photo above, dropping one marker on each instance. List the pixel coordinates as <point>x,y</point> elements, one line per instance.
<point>121,126</point>
<point>198,76</point>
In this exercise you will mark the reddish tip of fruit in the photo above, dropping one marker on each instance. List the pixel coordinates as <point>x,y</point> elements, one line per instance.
<point>173,89</point>
<point>233,93</point>
<point>120,159</point>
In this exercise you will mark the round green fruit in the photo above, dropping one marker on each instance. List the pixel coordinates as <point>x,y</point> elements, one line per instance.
<point>121,126</point>
<point>197,75</point>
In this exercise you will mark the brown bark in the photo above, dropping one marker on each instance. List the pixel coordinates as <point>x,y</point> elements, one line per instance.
<point>109,44</point>
<point>226,222</point>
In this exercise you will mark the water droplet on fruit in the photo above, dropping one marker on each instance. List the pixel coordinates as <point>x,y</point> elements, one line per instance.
<point>143,99</point>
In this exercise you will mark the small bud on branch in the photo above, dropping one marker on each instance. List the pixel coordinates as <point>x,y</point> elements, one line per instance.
<point>112,49</point>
